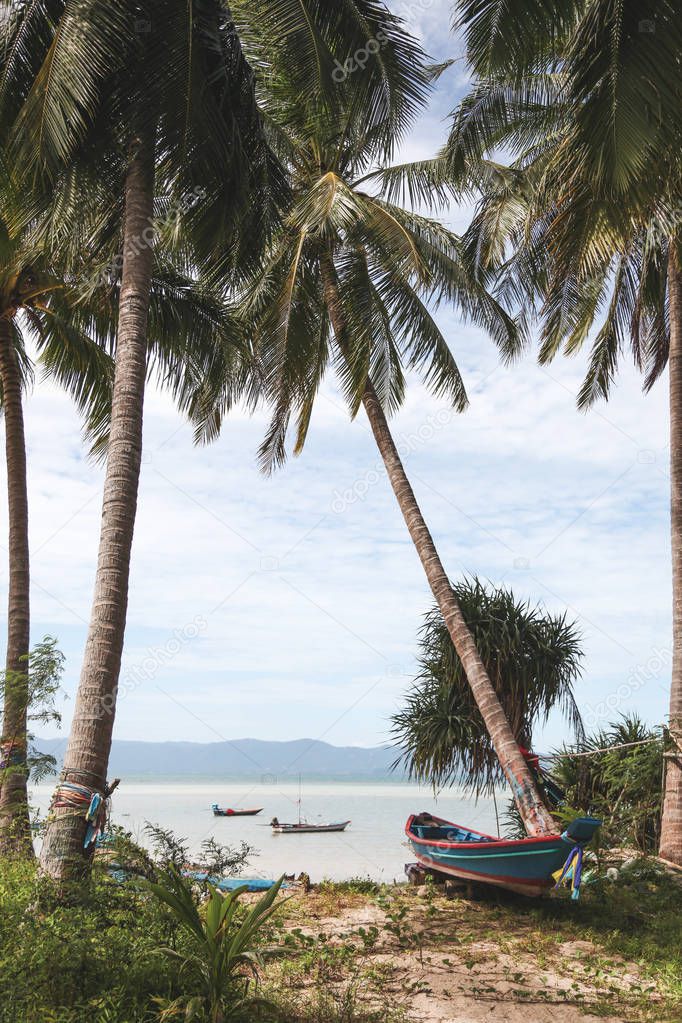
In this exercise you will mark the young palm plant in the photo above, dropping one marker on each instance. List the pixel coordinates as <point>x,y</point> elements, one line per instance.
<point>345,286</point>
<point>585,223</point>
<point>223,956</point>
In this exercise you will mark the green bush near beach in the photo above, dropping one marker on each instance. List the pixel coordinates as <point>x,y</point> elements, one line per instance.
<point>66,963</point>
<point>99,960</point>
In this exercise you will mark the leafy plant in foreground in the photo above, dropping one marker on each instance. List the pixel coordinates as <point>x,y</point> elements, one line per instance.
<point>223,959</point>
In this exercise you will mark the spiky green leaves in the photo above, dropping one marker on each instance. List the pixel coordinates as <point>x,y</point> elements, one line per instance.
<point>533,660</point>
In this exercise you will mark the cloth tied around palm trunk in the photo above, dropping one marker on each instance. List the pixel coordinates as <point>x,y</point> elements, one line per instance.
<point>83,802</point>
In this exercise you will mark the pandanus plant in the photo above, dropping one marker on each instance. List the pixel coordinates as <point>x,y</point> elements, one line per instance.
<point>533,658</point>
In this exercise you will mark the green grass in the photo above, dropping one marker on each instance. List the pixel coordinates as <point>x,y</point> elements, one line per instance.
<point>98,960</point>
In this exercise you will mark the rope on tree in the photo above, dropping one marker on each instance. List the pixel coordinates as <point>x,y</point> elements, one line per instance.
<point>592,752</point>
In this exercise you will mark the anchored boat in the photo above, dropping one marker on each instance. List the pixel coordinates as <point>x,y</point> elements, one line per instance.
<point>303,828</point>
<point>524,865</point>
<point>228,812</point>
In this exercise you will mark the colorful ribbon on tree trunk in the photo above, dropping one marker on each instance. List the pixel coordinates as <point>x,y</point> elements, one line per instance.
<point>84,802</point>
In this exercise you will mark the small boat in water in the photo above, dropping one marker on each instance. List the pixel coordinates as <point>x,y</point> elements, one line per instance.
<point>303,828</point>
<point>228,812</point>
<point>524,865</point>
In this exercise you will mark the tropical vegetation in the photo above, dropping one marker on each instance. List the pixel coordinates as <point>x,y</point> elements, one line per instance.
<point>211,197</point>
<point>582,227</point>
<point>534,661</point>
<point>103,958</point>
<point>616,773</point>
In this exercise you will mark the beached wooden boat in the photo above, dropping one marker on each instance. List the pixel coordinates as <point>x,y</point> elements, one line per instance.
<point>303,828</point>
<point>229,812</point>
<point>525,865</point>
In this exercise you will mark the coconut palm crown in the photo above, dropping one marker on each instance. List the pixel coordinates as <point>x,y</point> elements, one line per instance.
<point>347,233</point>
<point>585,224</point>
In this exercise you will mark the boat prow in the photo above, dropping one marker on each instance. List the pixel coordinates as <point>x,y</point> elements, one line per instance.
<point>519,865</point>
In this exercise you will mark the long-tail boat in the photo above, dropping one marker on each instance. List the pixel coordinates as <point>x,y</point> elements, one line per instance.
<point>303,828</point>
<point>229,812</point>
<point>525,865</point>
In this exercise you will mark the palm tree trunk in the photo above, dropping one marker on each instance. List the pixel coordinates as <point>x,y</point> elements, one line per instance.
<point>671,823</point>
<point>63,856</point>
<point>15,831</point>
<point>536,817</point>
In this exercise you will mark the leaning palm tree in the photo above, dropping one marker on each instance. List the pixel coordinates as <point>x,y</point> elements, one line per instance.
<point>344,285</point>
<point>165,94</point>
<point>533,659</point>
<point>585,222</point>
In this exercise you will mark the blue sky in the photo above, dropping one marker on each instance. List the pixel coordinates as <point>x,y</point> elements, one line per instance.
<point>287,607</point>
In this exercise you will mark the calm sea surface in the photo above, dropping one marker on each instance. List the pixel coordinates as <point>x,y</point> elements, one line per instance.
<point>372,846</point>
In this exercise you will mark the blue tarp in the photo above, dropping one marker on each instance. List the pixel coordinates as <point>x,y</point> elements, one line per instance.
<point>228,884</point>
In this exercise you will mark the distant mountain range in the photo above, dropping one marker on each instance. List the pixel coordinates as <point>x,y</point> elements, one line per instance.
<point>243,758</point>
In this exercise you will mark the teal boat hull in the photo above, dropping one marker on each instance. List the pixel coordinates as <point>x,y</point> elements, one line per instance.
<point>522,865</point>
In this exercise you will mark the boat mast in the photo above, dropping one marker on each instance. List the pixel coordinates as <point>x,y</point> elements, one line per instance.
<point>299,799</point>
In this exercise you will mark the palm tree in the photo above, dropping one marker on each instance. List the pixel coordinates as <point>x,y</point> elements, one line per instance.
<point>84,368</point>
<point>73,328</point>
<point>533,659</point>
<point>586,221</point>
<point>171,110</point>
<point>166,95</point>
<point>344,284</point>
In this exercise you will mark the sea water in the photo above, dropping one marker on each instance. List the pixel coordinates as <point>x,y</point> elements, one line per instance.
<point>373,846</point>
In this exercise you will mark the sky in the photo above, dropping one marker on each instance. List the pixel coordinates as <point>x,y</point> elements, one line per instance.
<point>290,606</point>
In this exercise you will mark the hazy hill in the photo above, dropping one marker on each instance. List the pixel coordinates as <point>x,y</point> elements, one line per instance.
<point>241,758</point>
